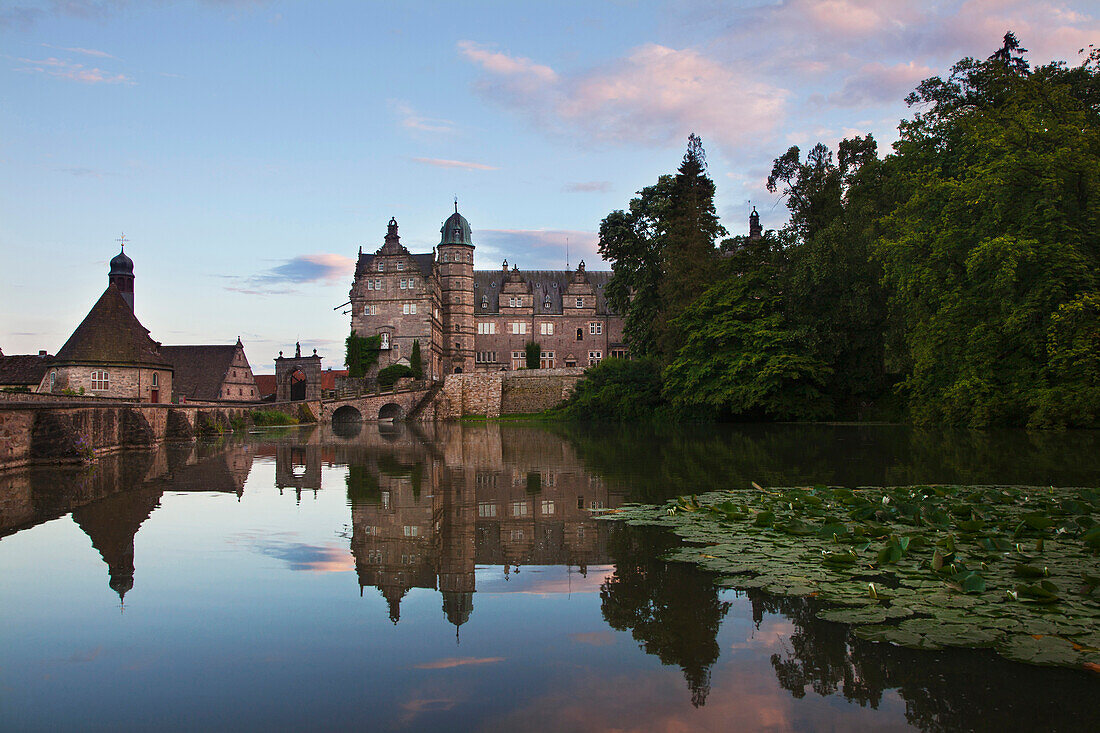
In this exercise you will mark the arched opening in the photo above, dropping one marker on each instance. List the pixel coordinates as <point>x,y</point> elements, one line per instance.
<point>458,370</point>
<point>297,385</point>
<point>347,422</point>
<point>391,411</point>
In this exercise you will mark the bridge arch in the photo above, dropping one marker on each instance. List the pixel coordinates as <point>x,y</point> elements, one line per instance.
<point>347,414</point>
<point>391,411</point>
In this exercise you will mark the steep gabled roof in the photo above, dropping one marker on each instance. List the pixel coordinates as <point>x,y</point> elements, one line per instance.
<point>266,385</point>
<point>111,334</point>
<point>22,369</point>
<point>543,284</point>
<point>199,371</point>
<point>423,262</point>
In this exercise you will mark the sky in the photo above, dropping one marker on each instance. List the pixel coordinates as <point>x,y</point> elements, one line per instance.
<point>249,148</point>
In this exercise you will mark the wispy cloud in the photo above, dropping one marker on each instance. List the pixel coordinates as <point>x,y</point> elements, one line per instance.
<point>466,165</point>
<point>451,662</point>
<point>85,51</point>
<point>81,172</point>
<point>411,120</point>
<point>877,83</point>
<point>537,249</point>
<point>588,187</point>
<point>62,69</point>
<point>321,267</point>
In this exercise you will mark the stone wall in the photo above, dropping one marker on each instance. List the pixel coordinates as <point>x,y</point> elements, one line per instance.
<point>35,432</point>
<point>494,394</point>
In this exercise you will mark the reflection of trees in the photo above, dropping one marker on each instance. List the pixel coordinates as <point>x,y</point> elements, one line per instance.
<point>672,609</point>
<point>654,462</point>
<point>943,691</point>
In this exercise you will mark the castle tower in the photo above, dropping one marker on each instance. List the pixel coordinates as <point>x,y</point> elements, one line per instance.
<point>122,274</point>
<point>755,230</point>
<point>456,284</point>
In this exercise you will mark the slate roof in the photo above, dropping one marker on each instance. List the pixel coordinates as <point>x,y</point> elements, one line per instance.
<point>111,334</point>
<point>542,282</point>
<point>198,371</point>
<point>424,263</point>
<point>20,370</point>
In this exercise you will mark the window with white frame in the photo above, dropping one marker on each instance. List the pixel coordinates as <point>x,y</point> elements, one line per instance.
<point>404,283</point>
<point>400,265</point>
<point>580,302</point>
<point>486,357</point>
<point>411,530</point>
<point>377,283</point>
<point>595,328</point>
<point>370,284</point>
<point>594,357</point>
<point>100,380</point>
<point>380,267</point>
<point>486,509</point>
<point>156,382</point>
<point>547,507</point>
<point>516,535</point>
<point>519,327</point>
<point>370,310</point>
<point>546,328</point>
<point>486,328</point>
<point>546,360</point>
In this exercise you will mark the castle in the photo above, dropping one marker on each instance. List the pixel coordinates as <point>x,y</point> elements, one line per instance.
<point>470,320</point>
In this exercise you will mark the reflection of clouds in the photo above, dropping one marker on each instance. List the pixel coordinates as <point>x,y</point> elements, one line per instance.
<point>451,662</point>
<point>594,638</point>
<point>330,558</point>
<point>543,580</point>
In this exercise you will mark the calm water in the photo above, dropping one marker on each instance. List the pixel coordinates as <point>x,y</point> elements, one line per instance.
<point>450,578</point>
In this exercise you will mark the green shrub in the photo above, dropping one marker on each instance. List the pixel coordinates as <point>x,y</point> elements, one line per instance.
<point>416,365</point>
<point>389,376</point>
<point>617,390</point>
<point>533,352</point>
<point>272,417</point>
<point>361,353</point>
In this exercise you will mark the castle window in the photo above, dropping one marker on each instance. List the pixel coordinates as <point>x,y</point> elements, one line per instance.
<point>404,283</point>
<point>380,267</point>
<point>618,353</point>
<point>155,375</point>
<point>595,328</point>
<point>370,284</point>
<point>486,328</point>
<point>100,379</point>
<point>546,360</point>
<point>519,509</point>
<point>53,380</point>
<point>546,328</point>
<point>408,308</point>
<point>547,506</point>
<point>411,530</point>
<point>594,357</point>
<point>377,283</point>
<point>400,265</point>
<point>580,302</point>
<point>486,509</point>
<point>519,327</point>
<point>580,334</point>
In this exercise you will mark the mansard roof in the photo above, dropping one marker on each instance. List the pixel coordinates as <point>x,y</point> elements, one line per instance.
<point>541,283</point>
<point>423,262</point>
<point>199,371</point>
<point>111,334</point>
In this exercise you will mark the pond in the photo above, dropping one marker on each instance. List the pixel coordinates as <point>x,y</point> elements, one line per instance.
<point>408,577</point>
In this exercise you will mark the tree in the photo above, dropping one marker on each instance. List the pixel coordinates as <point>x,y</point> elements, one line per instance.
<point>995,239</point>
<point>532,353</point>
<point>416,365</point>
<point>742,356</point>
<point>360,354</point>
<point>691,228</point>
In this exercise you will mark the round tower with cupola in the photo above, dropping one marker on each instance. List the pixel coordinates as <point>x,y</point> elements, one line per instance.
<point>455,265</point>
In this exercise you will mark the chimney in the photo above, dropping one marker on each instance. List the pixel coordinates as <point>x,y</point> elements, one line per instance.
<point>42,353</point>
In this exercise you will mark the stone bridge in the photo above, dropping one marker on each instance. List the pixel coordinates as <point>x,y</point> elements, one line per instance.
<point>402,404</point>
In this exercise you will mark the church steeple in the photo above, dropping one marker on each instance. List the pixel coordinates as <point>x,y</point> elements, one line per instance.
<point>122,273</point>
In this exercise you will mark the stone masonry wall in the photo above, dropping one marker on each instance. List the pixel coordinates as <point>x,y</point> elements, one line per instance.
<point>504,393</point>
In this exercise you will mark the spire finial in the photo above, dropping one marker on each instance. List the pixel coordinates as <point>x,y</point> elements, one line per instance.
<point>456,204</point>
<point>122,240</point>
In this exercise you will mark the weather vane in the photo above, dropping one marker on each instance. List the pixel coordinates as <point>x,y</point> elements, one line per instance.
<point>122,240</point>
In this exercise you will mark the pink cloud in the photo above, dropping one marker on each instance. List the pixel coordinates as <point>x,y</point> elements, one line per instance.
<point>875,83</point>
<point>411,120</point>
<point>62,69</point>
<point>451,662</point>
<point>657,95</point>
<point>444,163</point>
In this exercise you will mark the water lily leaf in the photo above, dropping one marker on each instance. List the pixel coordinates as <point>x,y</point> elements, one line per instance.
<point>1030,571</point>
<point>866,615</point>
<point>1039,649</point>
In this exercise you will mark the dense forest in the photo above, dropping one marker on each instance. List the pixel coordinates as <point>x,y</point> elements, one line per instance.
<point>954,280</point>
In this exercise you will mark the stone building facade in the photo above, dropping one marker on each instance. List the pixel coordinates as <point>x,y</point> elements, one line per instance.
<point>212,373</point>
<point>476,320</point>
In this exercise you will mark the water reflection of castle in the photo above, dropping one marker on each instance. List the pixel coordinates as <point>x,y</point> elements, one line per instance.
<point>434,510</point>
<point>426,507</point>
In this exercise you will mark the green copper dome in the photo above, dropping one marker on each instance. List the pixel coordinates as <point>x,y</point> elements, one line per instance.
<point>456,230</point>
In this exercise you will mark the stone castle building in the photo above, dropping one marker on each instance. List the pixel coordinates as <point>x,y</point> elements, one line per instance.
<point>478,320</point>
<point>110,354</point>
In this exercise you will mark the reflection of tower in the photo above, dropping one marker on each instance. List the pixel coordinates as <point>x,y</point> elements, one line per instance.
<point>111,525</point>
<point>298,467</point>
<point>456,516</point>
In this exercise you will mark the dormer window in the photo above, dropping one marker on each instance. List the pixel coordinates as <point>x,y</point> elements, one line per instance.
<point>580,302</point>
<point>379,266</point>
<point>400,265</point>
